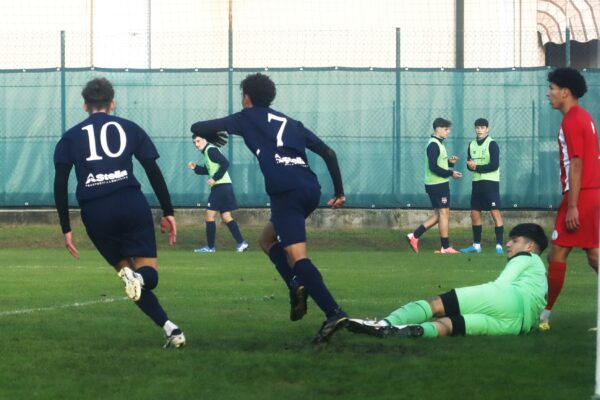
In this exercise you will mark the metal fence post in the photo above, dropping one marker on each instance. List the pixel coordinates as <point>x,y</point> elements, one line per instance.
<point>230,75</point>
<point>63,106</point>
<point>396,175</point>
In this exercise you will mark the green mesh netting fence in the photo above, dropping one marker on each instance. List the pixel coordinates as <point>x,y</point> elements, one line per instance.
<point>377,120</point>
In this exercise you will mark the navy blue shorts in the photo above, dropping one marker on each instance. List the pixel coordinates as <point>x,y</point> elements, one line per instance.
<point>439,195</point>
<point>221,198</point>
<point>485,195</point>
<point>120,225</point>
<point>289,211</point>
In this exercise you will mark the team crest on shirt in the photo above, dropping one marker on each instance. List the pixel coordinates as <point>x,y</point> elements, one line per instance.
<point>493,204</point>
<point>554,234</point>
<point>102,179</point>
<point>444,200</point>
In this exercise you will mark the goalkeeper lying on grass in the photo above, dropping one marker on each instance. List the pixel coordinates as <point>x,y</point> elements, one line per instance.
<point>510,305</point>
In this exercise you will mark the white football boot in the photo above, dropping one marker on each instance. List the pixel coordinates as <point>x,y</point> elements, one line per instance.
<point>133,284</point>
<point>175,339</point>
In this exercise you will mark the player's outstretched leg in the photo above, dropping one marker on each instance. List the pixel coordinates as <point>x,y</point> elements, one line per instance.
<point>234,229</point>
<point>310,276</point>
<point>148,303</point>
<point>298,293</point>
<point>382,329</point>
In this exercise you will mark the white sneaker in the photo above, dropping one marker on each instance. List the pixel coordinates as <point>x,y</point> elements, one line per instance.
<point>133,285</point>
<point>176,339</point>
<point>240,248</point>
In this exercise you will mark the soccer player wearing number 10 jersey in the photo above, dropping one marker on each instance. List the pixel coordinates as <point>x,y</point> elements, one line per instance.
<point>115,212</point>
<point>279,143</point>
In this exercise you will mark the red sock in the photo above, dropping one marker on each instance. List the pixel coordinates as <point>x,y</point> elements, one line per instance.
<point>556,278</point>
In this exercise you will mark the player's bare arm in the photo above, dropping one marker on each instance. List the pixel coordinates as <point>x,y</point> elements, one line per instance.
<point>572,217</point>
<point>70,246</point>
<point>168,225</point>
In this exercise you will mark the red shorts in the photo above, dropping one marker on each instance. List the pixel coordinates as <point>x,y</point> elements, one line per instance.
<point>588,234</point>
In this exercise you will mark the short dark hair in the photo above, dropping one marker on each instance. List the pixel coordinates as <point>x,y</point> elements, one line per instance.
<point>441,123</point>
<point>533,232</point>
<point>260,88</point>
<point>569,78</point>
<point>482,122</point>
<point>98,93</point>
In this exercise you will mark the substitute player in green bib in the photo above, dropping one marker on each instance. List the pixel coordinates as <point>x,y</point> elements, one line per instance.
<point>483,159</point>
<point>437,176</point>
<point>510,305</point>
<point>221,198</point>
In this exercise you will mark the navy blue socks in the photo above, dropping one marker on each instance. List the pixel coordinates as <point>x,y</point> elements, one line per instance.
<point>419,231</point>
<point>310,276</point>
<point>150,276</point>
<point>211,233</point>
<point>279,258</point>
<point>445,242</point>
<point>148,302</point>
<point>235,231</point>
<point>499,230</point>
<point>476,233</point>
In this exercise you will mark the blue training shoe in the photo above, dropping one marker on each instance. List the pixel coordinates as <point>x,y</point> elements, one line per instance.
<point>499,249</point>
<point>471,249</point>
<point>205,249</point>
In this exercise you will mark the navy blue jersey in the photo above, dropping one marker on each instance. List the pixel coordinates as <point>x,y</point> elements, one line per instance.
<point>101,148</point>
<point>278,142</point>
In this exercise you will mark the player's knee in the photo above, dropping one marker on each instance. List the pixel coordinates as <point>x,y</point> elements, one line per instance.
<point>437,307</point>
<point>150,277</point>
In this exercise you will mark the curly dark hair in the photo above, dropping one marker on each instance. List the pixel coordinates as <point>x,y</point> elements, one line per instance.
<point>98,93</point>
<point>260,88</point>
<point>569,78</point>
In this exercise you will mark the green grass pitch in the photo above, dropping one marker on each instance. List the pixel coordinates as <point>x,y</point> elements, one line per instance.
<point>68,332</point>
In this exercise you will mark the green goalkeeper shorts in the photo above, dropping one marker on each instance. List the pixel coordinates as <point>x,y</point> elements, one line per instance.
<point>491,309</point>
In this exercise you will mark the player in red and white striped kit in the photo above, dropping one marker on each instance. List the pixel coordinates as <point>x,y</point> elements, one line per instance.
<point>577,221</point>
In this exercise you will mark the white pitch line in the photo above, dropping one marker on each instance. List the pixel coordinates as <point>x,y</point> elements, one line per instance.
<point>74,305</point>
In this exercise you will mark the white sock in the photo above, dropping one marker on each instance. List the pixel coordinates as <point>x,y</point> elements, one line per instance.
<point>169,327</point>
<point>477,245</point>
<point>545,315</point>
<point>498,246</point>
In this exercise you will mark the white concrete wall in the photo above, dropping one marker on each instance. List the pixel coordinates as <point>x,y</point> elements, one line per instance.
<point>282,33</point>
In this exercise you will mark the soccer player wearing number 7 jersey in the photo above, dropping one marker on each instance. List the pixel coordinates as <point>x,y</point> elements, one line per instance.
<point>114,210</point>
<point>279,144</point>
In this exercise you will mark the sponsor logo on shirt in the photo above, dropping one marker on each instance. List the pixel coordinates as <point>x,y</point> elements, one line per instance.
<point>287,161</point>
<point>102,179</point>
